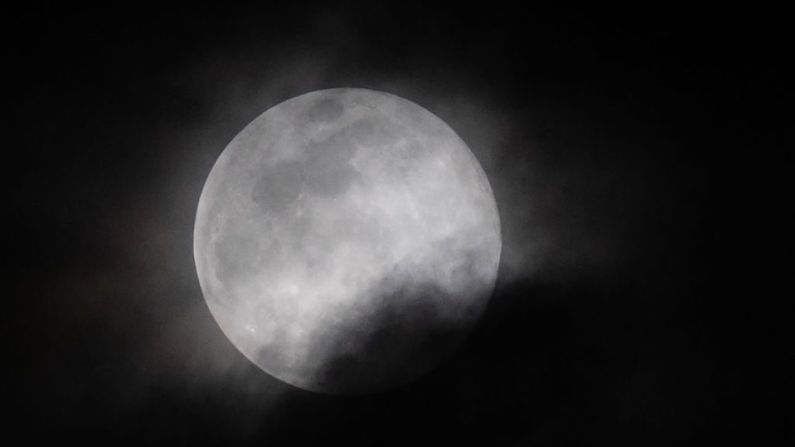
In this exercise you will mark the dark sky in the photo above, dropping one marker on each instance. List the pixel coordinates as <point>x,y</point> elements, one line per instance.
<point>637,158</point>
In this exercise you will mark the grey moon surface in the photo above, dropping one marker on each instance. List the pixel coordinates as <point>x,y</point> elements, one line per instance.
<point>346,241</point>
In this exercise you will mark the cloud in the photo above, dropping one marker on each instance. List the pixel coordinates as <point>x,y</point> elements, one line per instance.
<point>574,202</point>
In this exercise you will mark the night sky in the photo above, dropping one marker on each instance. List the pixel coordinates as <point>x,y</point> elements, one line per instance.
<point>638,162</point>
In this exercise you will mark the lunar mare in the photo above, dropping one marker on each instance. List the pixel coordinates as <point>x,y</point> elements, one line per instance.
<point>346,241</point>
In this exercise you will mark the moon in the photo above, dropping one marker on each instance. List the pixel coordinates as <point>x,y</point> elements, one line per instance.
<point>346,241</point>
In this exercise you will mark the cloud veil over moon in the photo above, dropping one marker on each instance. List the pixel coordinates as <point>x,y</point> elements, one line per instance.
<point>346,241</point>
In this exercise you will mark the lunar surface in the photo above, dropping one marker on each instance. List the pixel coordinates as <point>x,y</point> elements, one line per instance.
<point>346,241</point>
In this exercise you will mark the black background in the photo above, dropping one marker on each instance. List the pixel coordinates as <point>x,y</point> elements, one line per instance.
<point>636,156</point>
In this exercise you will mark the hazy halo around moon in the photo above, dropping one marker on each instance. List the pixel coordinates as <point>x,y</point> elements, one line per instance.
<point>346,240</point>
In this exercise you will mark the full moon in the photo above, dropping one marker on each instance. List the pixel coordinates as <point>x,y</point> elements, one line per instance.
<point>346,241</point>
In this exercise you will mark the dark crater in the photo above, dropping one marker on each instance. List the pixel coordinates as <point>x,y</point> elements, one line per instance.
<point>323,111</point>
<point>325,171</point>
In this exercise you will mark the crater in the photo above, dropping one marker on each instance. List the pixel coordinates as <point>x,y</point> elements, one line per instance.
<point>279,186</point>
<point>324,111</point>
